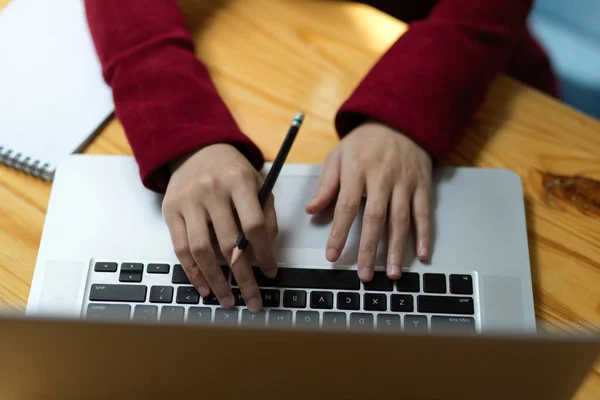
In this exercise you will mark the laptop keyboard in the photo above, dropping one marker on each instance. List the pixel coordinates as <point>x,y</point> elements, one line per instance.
<point>296,297</point>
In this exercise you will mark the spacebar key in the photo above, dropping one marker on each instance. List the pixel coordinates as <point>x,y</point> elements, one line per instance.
<point>130,293</point>
<point>306,278</point>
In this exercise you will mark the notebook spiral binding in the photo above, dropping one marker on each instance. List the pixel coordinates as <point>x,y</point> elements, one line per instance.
<point>25,164</point>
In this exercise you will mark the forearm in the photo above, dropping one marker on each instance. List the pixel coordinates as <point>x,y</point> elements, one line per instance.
<point>432,80</point>
<point>163,94</point>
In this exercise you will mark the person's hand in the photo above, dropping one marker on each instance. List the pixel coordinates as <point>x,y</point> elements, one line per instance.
<point>395,174</point>
<point>208,188</point>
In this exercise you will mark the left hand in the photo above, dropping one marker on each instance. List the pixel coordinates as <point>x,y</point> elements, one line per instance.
<point>395,174</point>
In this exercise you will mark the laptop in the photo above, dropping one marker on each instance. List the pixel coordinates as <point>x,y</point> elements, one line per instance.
<point>106,253</point>
<point>111,306</point>
<point>91,359</point>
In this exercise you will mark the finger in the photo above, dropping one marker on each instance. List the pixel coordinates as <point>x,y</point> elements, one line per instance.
<point>271,218</point>
<point>328,186</point>
<point>254,225</point>
<point>422,217</point>
<point>378,196</point>
<point>204,256</point>
<point>346,208</point>
<point>399,223</point>
<point>244,276</point>
<point>178,232</point>
<point>227,232</point>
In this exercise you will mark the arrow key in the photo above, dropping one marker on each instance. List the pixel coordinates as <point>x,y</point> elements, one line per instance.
<point>187,295</point>
<point>125,276</point>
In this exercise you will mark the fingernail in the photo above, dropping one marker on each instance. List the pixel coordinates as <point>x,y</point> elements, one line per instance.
<point>228,302</point>
<point>332,255</point>
<point>395,271</point>
<point>254,304</point>
<point>204,291</point>
<point>422,250</point>
<point>271,273</point>
<point>364,273</point>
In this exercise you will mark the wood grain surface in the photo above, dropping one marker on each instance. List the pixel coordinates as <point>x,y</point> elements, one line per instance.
<point>270,58</point>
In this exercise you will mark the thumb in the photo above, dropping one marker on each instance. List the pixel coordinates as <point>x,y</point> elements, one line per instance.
<point>328,186</point>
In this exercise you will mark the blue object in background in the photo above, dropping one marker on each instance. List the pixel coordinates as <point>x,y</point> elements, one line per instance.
<point>570,32</point>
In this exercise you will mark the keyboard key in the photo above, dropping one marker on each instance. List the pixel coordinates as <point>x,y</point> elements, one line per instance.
<point>158,268</point>
<point>445,305</point>
<point>128,293</point>
<point>402,303</point>
<point>334,320</point>
<point>179,275</point>
<point>171,314</point>
<point>305,278</point>
<point>161,294</point>
<point>321,300</point>
<point>211,299</point>
<point>111,312</point>
<point>461,284</point>
<point>307,319</point>
<point>143,312</point>
<point>361,321</point>
<point>280,318</point>
<point>238,296</point>
<point>375,302</point>
<point>225,316</point>
<point>434,283</point>
<point>261,279</point>
<point>270,297</point>
<point>132,267</point>
<point>388,322</point>
<point>125,276</point>
<point>409,282</point>
<point>294,298</point>
<point>199,315</point>
<point>415,323</point>
<point>348,301</point>
<point>380,282</point>
<point>253,319</point>
<point>187,295</point>
<point>452,324</point>
<point>225,269</point>
<point>105,267</point>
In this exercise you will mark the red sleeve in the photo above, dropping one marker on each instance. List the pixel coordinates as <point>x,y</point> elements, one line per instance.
<point>163,94</point>
<point>432,80</point>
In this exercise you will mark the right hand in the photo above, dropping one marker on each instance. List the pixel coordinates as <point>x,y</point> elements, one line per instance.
<point>206,188</point>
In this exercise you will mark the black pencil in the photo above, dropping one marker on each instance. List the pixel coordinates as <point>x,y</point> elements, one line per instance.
<point>267,187</point>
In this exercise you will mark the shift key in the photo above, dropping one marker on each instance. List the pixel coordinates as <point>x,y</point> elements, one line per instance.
<point>445,305</point>
<point>127,293</point>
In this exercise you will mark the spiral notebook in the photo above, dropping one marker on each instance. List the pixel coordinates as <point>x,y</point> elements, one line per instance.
<point>52,94</point>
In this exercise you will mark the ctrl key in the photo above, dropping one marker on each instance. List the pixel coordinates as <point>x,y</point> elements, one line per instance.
<point>110,312</point>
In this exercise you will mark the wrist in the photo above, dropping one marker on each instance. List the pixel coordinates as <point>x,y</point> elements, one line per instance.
<point>376,122</point>
<point>175,163</point>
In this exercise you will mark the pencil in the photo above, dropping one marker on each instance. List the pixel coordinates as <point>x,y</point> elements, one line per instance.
<point>267,187</point>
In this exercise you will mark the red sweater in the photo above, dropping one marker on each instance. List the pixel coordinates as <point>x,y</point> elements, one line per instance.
<point>428,85</point>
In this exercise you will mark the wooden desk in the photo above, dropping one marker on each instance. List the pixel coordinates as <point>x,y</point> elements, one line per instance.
<point>328,47</point>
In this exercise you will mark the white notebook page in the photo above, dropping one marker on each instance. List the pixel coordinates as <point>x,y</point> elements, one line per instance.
<point>52,94</point>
